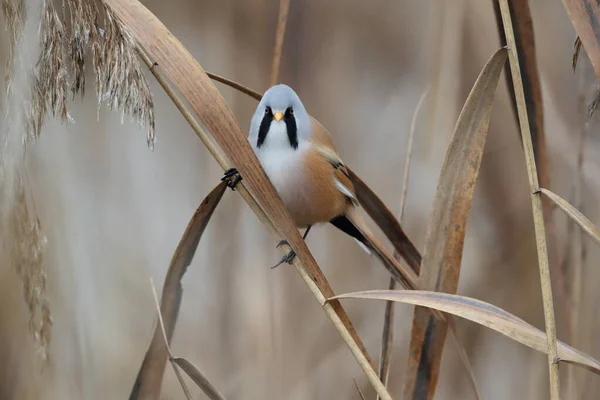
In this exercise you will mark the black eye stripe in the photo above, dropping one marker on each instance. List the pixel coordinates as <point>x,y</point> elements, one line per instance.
<point>265,124</point>
<point>292,130</point>
<point>290,122</point>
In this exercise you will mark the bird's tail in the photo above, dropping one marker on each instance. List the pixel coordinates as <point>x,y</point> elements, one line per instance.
<point>406,277</point>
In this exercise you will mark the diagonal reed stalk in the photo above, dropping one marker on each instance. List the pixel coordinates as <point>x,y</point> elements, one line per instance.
<point>536,203</point>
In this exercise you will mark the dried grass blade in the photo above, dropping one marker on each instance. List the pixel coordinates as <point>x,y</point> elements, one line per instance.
<point>536,203</point>
<point>203,383</point>
<point>576,215</point>
<point>360,393</point>
<point>235,85</point>
<point>186,391</point>
<point>484,314</point>
<point>194,85</point>
<point>387,335</point>
<point>585,17</point>
<point>447,227</point>
<point>149,378</point>
<point>284,8</point>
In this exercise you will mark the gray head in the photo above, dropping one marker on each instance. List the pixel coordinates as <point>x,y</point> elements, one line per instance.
<point>280,113</point>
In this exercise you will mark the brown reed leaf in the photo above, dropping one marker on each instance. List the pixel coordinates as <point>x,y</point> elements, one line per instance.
<point>576,215</point>
<point>199,379</point>
<point>484,314</point>
<point>447,227</point>
<point>585,16</point>
<point>153,366</point>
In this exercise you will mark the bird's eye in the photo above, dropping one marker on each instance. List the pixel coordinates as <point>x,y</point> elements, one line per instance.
<point>290,110</point>
<point>267,110</point>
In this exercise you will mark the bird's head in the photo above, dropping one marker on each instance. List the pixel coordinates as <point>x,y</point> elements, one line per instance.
<point>280,119</point>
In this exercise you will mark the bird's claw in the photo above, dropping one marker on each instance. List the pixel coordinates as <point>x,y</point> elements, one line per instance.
<point>288,258</point>
<point>232,177</point>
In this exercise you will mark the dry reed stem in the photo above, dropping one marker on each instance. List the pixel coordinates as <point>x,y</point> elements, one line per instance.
<point>284,8</point>
<point>166,342</point>
<point>342,325</point>
<point>388,324</point>
<point>526,51</point>
<point>536,203</point>
<point>576,239</point>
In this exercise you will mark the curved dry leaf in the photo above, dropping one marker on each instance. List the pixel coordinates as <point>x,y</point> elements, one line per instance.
<point>576,215</point>
<point>153,366</point>
<point>199,379</point>
<point>485,314</point>
<point>440,269</point>
<point>585,17</point>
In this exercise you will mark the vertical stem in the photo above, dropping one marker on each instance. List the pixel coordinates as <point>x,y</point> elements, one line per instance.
<point>284,7</point>
<point>536,203</point>
<point>387,336</point>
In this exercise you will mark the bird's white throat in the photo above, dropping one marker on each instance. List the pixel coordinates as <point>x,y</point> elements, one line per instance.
<point>282,163</point>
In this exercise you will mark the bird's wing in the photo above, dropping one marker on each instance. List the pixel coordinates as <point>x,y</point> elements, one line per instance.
<point>325,147</point>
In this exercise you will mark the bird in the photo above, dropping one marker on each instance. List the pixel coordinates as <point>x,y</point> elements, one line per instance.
<point>302,162</point>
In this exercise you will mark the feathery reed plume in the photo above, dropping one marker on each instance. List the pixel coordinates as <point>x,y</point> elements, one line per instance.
<point>26,251</point>
<point>23,241</point>
<point>13,11</point>
<point>51,79</point>
<point>121,80</point>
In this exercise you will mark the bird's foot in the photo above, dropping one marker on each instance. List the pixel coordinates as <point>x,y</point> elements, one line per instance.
<point>232,177</point>
<point>288,258</point>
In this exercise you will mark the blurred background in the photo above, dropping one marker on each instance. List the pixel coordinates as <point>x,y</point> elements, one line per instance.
<point>113,211</point>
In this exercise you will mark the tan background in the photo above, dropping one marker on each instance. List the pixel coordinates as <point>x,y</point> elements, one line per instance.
<point>114,211</point>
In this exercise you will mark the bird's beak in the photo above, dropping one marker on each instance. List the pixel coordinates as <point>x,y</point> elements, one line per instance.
<point>278,116</point>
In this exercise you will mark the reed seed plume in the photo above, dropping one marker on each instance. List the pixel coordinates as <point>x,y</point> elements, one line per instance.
<point>23,246</point>
<point>57,68</point>
<point>13,11</point>
<point>50,85</point>
<point>121,80</point>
